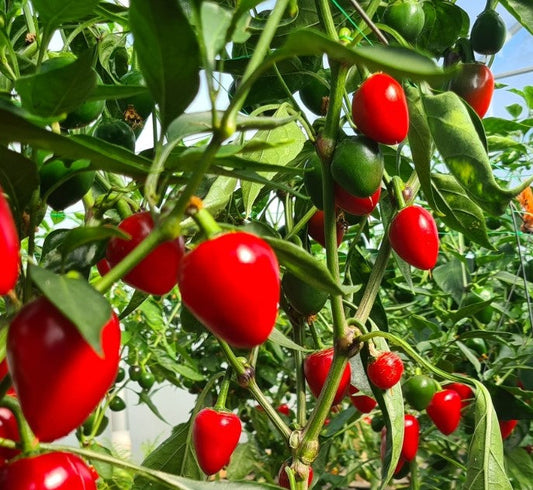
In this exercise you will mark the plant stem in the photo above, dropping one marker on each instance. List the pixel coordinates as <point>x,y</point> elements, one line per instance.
<point>131,260</point>
<point>261,50</point>
<point>369,22</point>
<point>298,333</point>
<point>241,370</point>
<point>28,442</point>
<point>224,389</point>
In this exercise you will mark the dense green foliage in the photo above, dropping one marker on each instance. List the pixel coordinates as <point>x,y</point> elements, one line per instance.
<point>262,163</point>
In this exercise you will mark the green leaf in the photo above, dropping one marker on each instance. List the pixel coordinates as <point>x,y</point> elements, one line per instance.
<point>304,265</point>
<point>464,154</point>
<point>397,61</point>
<point>485,465</point>
<point>216,21</point>
<point>201,122</point>
<point>519,467</point>
<point>58,91</point>
<point>522,11</point>
<point>444,23</point>
<point>459,212</point>
<point>109,92</point>
<point>168,54</point>
<point>74,297</point>
<point>449,278</point>
<point>56,12</point>
<point>278,338</point>
<point>243,461</point>
<point>147,400</point>
<point>277,155</point>
<point>420,142</point>
<point>18,177</point>
<point>86,235</point>
<point>14,128</point>
<point>175,455</point>
<point>391,404</point>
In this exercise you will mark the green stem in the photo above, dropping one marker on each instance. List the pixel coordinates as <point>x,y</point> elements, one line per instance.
<point>156,237</point>
<point>415,356</point>
<point>324,14</point>
<point>204,220</point>
<point>166,479</point>
<point>301,224</point>
<point>241,370</point>
<point>228,122</point>
<point>298,333</point>
<point>28,442</point>
<point>374,281</point>
<point>307,449</point>
<point>224,390</point>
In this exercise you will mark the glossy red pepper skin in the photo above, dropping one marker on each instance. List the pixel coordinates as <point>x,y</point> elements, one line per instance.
<point>414,237</point>
<point>315,228</point>
<point>49,471</point>
<point>445,410</point>
<point>157,273</point>
<point>379,109</point>
<point>216,434</point>
<point>411,436</point>
<point>363,403</point>
<point>475,84</point>
<point>316,368</point>
<point>464,391</point>
<point>358,206</point>
<point>283,409</point>
<point>58,378</point>
<point>507,427</point>
<point>231,283</point>
<point>9,248</point>
<point>8,430</point>
<point>386,370</point>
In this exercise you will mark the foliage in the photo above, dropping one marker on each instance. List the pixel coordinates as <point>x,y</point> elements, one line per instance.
<point>246,156</point>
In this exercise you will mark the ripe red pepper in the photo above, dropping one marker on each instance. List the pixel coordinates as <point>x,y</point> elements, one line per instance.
<point>157,273</point>
<point>50,471</point>
<point>464,391</point>
<point>9,248</point>
<point>216,434</point>
<point>411,434</point>
<point>386,370</point>
<point>315,228</point>
<point>445,410</point>
<point>414,237</point>
<point>363,403</point>
<point>383,451</point>
<point>475,84</point>
<point>507,427</point>
<point>358,206</point>
<point>379,109</point>
<point>8,430</point>
<point>283,409</point>
<point>231,284</point>
<point>58,378</point>
<point>316,368</point>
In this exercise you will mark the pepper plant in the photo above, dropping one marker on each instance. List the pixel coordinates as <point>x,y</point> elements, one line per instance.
<point>228,248</point>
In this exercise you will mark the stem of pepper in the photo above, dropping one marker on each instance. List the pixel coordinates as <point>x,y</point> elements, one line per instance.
<point>28,442</point>
<point>224,389</point>
<point>241,370</point>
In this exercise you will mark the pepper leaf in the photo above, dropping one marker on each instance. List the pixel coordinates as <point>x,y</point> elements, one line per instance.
<point>67,294</point>
<point>459,145</point>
